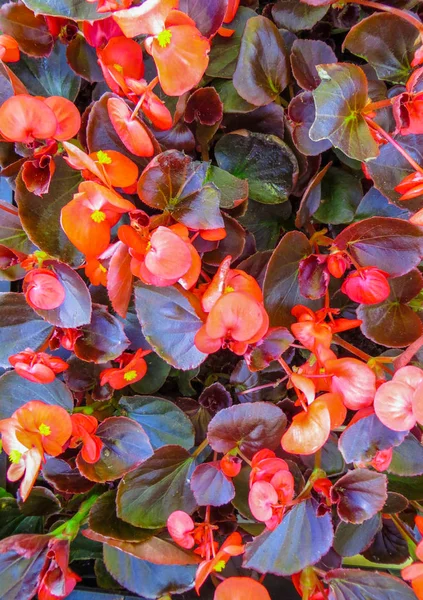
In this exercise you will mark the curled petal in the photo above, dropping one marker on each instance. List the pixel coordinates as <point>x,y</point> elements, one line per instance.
<point>67,116</point>
<point>394,405</point>
<point>131,131</point>
<point>308,431</point>
<point>180,527</point>
<point>235,313</point>
<point>43,290</point>
<point>24,119</point>
<point>261,499</point>
<point>354,380</point>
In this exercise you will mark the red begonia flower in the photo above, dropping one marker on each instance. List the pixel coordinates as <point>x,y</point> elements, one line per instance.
<point>261,500</point>
<point>83,431</point>
<point>265,465</point>
<point>230,465</point>
<point>181,527</point>
<point>241,588</point>
<point>178,48</point>
<point>131,131</point>
<point>98,33</point>
<point>414,573</point>
<point>213,235</point>
<point>43,290</point>
<point>232,546</point>
<point>89,217</point>
<point>9,49</point>
<point>354,380</point>
<point>337,264</point>
<point>407,108</point>
<point>168,256</point>
<point>37,367</point>
<point>367,285</point>
<point>38,173</point>
<point>382,459</point>
<point>25,119</point>
<point>309,430</point>
<point>411,186</point>
<point>121,58</point>
<point>133,371</point>
<point>154,108</point>
<point>65,337</point>
<point>399,403</point>
<point>67,116</point>
<point>57,579</point>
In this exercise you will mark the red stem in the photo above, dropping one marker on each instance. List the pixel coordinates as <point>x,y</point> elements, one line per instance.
<point>404,358</point>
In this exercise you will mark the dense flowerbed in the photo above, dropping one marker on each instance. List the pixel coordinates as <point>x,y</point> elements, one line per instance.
<point>211,352</point>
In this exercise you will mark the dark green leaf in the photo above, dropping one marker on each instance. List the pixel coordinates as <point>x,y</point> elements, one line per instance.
<point>125,446</point>
<point>295,16</point>
<point>410,487</point>
<point>82,58</point>
<point>233,191</point>
<point>341,195</point>
<point>157,372</point>
<point>339,99</point>
<point>387,43</point>
<point>161,419</point>
<point>264,160</point>
<point>40,216</point>
<point>15,391</point>
<point>150,493</point>
<point>364,585</point>
<point>30,31</point>
<point>41,502</point>
<point>169,323</point>
<point>265,222</point>
<point>14,521</point>
<point>301,540</point>
<point>20,327</point>
<point>407,458</point>
<point>262,71</point>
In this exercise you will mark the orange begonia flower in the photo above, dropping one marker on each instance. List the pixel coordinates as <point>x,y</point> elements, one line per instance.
<point>9,49</point>
<point>25,119</point>
<point>177,46</point>
<point>89,217</point>
<point>67,116</point>
<point>241,588</point>
<point>121,58</point>
<point>131,131</point>
<point>37,367</point>
<point>154,108</point>
<point>83,431</point>
<point>96,272</point>
<point>232,546</point>
<point>111,5</point>
<point>134,370</point>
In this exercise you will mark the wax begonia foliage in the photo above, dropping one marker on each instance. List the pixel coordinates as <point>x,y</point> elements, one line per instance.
<point>211,371</point>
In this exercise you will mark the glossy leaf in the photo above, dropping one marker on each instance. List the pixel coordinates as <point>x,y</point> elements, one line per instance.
<point>210,486</point>
<point>388,546</point>
<point>82,58</point>
<point>352,539</point>
<point>16,391</point>
<point>407,458</point>
<point>393,52</point>
<point>393,323</point>
<point>360,494</point>
<point>296,16</point>
<point>251,427</point>
<point>302,113</point>
<point>363,439</point>
<point>142,577</point>
<point>392,245</point>
<point>162,420</point>
<point>374,204</point>
<point>40,216</point>
<point>340,97</point>
<point>262,71</point>
<point>281,287</point>
<point>74,9</point>
<point>30,31</point>
<point>233,191</point>
<point>65,479</point>
<point>269,165</point>
<point>284,551</point>
<point>11,233</point>
<point>41,502</point>
<point>21,562</point>
<point>156,376</point>
<point>125,446</point>
<point>355,585</point>
<point>20,327</point>
<point>305,56</point>
<point>341,193</point>
<point>103,338</point>
<point>149,494</point>
<point>207,16</point>
<point>172,337</point>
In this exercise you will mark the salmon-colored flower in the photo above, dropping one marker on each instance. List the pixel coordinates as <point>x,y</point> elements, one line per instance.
<point>43,290</point>
<point>67,117</point>
<point>337,263</point>
<point>83,432</point>
<point>181,528</point>
<point>414,573</point>
<point>230,14</point>
<point>130,130</point>
<point>367,285</point>
<point>89,217</point>
<point>119,59</point>
<point>407,107</point>
<point>150,104</point>
<point>9,49</point>
<point>178,48</point>
<point>37,367</point>
<point>96,272</point>
<point>354,380</point>
<point>232,546</point>
<point>57,579</point>
<point>399,403</point>
<point>241,588</point>
<point>133,368</point>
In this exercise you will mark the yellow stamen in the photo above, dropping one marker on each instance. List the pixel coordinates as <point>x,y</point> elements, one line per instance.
<point>44,429</point>
<point>164,38</point>
<point>219,566</point>
<point>102,269</point>
<point>118,68</point>
<point>15,456</point>
<point>103,158</point>
<point>228,289</point>
<point>130,375</point>
<point>98,216</point>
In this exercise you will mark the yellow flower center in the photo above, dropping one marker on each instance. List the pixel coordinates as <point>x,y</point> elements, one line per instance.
<point>118,68</point>
<point>164,38</point>
<point>103,158</point>
<point>219,566</point>
<point>130,375</point>
<point>15,456</point>
<point>102,269</point>
<point>229,289</point>
<point>44,429</point>
<point>98,216</point>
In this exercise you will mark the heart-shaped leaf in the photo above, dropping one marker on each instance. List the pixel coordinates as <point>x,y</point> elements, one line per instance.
<point>262,71</point>
<point>355,584</point>
<point>161,419</point>
<point>249,427</point>
<point>210,486</point>
<point>360,494</point>
<point>264,160</point>
<point>103,338</point>
<point>125,446</point>
<point>301,540</point>
<point>339,100</point>
<point>149,494</point>
<point>169,322</point>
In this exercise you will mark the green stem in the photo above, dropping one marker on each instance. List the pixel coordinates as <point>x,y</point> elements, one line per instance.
<point>360,561</point>
<point>200,448</point>
<point>69,530</point>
